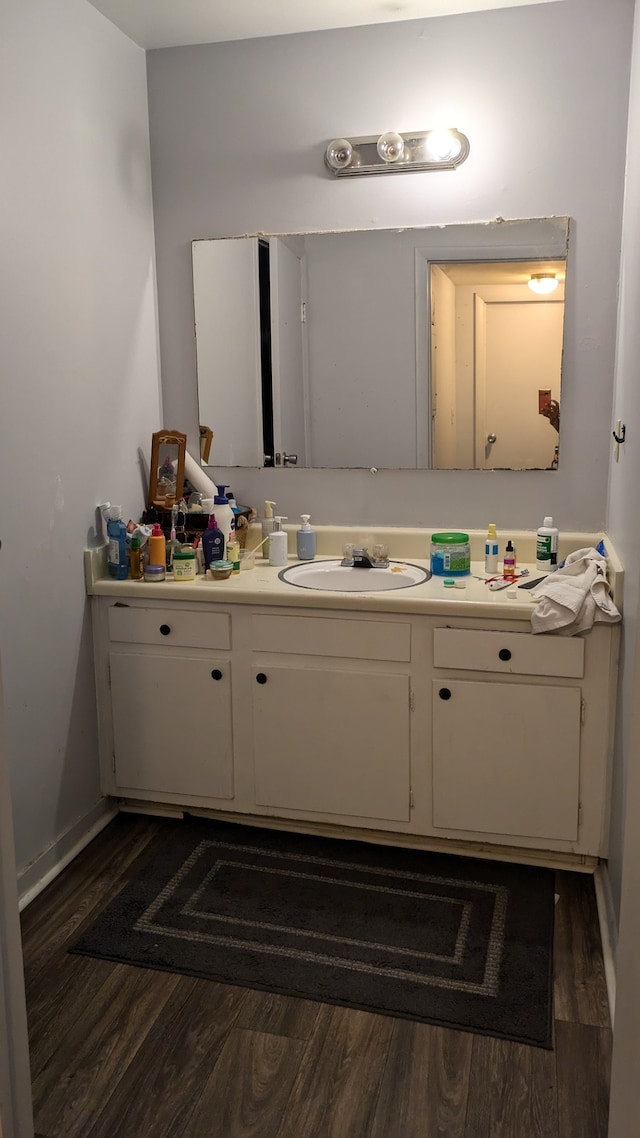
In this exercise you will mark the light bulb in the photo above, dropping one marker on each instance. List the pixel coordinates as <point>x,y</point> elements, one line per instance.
<point>390,146</point>
<point>543,283</point>
<point>339,154</point>
<point>442,145</point>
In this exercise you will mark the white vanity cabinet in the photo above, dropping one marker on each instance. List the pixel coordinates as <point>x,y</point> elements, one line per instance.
<point>448,732</point>
<point>521,731</point>
<point>169,709</point>
<point>331,716</point>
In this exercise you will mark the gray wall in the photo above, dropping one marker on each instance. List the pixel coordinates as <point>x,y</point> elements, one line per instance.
<point>622,520</point>
<point>237,138</point>
<point>80,385</point>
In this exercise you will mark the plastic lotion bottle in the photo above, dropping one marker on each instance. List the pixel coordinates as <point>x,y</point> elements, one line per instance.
<point>491,550</point>
<point>213,543</point>
<point>267,526</point>
<point>225,516</point>
<point>547,547</point>
<point>117,534</point>
<point>278,543</point>
<point>157,546</point>
<point>306,540</point>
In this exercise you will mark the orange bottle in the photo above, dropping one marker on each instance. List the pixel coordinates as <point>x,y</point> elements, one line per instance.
<point>157,546</point>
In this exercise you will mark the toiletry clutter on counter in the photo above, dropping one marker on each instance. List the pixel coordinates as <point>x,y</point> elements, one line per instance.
<point>183,540</point>
<point>197,535</point>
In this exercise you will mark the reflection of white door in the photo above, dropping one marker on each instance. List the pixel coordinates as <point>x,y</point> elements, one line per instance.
<point>518,348</point>
<point>287,351</point>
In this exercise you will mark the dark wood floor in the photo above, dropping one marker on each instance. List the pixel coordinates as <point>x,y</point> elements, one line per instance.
<point>123,1052</point>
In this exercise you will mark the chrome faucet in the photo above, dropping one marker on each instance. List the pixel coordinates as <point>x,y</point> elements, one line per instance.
<point>362,559</point>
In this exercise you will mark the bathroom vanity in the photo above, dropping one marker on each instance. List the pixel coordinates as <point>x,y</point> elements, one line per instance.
<point>428,716</point>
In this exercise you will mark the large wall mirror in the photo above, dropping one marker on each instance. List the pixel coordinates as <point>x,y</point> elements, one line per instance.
<point>394,349</point>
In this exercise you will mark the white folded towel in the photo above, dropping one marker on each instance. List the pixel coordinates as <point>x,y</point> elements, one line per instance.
<point>574,597</point>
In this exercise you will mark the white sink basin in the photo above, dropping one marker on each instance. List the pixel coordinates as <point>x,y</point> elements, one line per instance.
<point>334,577</point>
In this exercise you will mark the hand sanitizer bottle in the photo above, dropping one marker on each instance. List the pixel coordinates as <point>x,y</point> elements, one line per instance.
<point>278,542</point>
<point>306,540</point>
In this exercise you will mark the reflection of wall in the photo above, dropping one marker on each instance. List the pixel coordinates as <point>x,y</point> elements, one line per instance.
<point>521,165</point>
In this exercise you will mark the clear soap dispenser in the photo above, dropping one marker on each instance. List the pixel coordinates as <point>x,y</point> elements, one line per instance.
<point>278,543</point>
<point>306,540</point>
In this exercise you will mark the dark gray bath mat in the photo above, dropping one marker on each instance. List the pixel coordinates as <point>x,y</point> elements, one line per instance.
<point>448,940</point>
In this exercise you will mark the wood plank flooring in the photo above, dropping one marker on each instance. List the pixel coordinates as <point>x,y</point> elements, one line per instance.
<point>124,1052</point>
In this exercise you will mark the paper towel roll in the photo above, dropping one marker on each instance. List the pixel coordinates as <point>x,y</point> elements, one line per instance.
<point>197,477</point>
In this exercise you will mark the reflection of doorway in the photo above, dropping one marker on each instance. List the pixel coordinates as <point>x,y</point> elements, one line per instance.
<point>495,345</point>
<point>517,352</point>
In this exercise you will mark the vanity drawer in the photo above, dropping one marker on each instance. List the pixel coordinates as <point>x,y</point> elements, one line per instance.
<point>325,636</point>
<point>171,627</point>
<point>520,653</point>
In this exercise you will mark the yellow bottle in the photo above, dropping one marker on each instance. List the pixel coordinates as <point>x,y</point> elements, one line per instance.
<point>233,553</point>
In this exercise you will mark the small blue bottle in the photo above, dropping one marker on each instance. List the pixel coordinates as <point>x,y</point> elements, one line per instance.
<point>118,556</point>
<point>306,540</point>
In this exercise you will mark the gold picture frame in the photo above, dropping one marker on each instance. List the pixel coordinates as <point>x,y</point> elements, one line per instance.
<point>166,473</point>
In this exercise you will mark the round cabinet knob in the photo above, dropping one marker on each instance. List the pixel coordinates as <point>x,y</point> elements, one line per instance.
<point>491,438</point>
<point>261,678</point>
<point>504,654</point>
<point>216,674</point>
<point>165,629</point>
<point>445,693</point>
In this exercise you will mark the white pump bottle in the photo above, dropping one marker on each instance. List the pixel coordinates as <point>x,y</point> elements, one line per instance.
<point>278,543</point>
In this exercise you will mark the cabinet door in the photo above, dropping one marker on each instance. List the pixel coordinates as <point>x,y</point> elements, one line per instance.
<point>506,758</point>
<point>172,724</point>
<point>332,742</point>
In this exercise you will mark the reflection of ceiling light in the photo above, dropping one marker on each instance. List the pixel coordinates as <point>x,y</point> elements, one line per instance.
<point>543,283</point>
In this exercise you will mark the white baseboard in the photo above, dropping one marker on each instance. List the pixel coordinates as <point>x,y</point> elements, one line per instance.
<point>40,872</point>
<point>608,931</point>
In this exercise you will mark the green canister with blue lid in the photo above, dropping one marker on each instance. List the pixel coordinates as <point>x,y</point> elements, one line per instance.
<point>450,554</point>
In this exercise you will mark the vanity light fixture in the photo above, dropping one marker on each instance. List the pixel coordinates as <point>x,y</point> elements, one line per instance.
<point>543,283</point>
<point>392,153</point>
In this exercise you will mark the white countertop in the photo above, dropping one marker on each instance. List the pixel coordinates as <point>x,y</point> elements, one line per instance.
<point>262,586</point>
